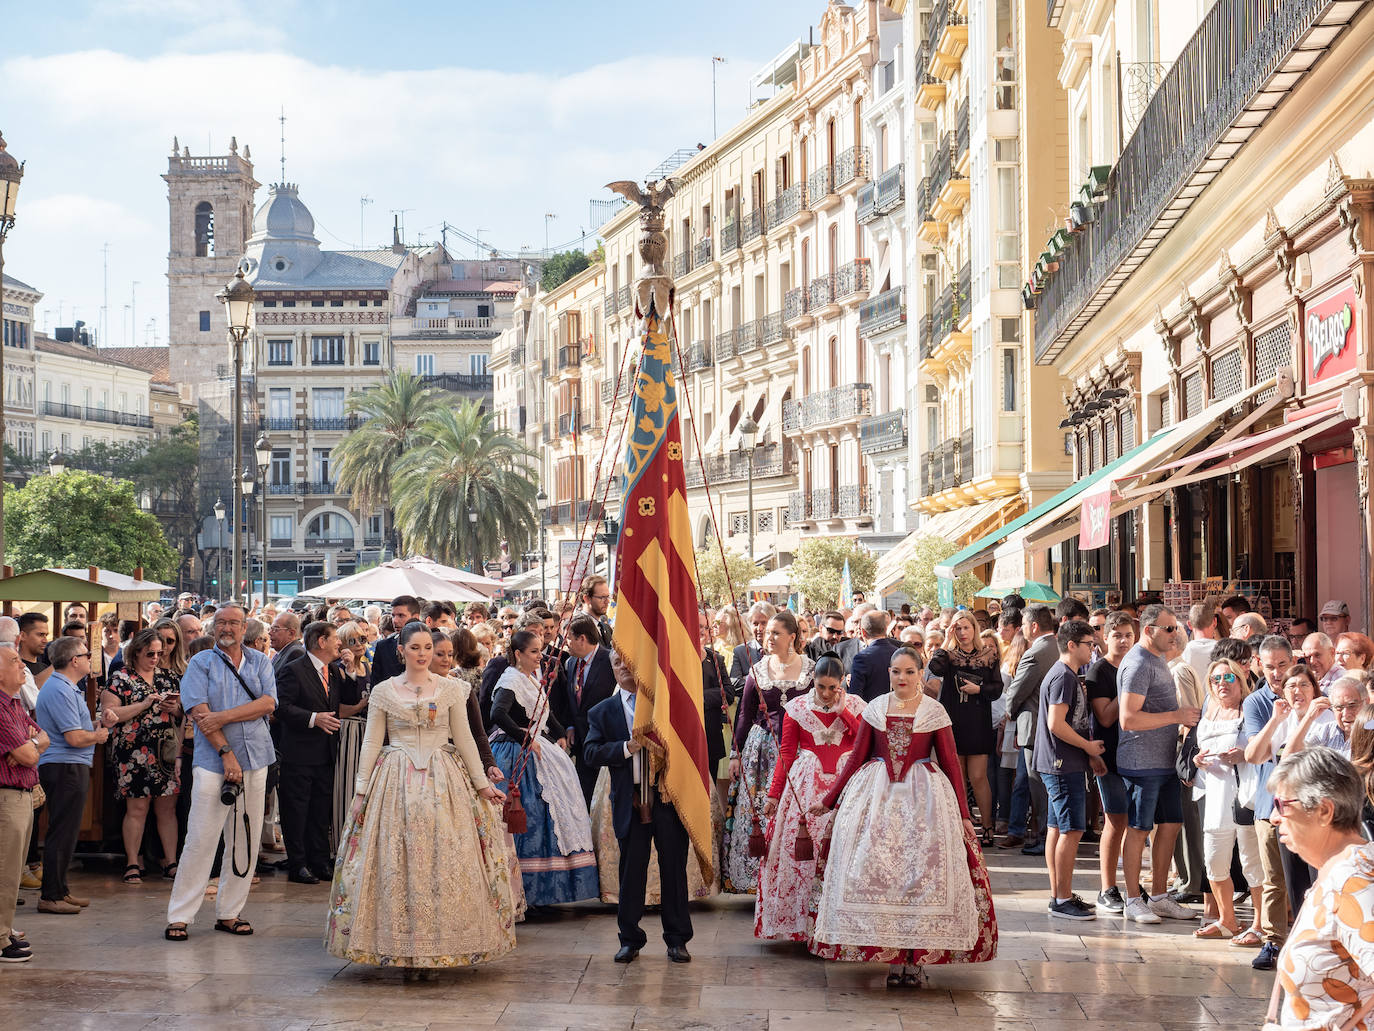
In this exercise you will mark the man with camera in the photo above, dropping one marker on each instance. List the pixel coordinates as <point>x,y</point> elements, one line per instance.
<point>229,691</point>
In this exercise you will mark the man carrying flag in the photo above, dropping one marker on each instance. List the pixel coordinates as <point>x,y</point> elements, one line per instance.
<point>650,732</point>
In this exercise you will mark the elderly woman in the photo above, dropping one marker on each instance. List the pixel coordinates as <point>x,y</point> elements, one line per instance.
<point>1354,652</point>
<point>1326,969</point>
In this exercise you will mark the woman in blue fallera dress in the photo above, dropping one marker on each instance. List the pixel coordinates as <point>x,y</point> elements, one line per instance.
<point>557,863</point>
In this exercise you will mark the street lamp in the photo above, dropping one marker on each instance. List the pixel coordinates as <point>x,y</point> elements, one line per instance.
<point>262,450</point>
<point>11,171</point>
<point>748,433</point>
<point>542,500</point>
<point>246,485</point>
<point>237,298</point>
<point>219,519</point>
<point>56,466</point>
<point>476,552</point>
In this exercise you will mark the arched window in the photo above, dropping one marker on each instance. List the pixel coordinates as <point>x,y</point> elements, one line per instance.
<point>205,230</point>
<point>330,527</point>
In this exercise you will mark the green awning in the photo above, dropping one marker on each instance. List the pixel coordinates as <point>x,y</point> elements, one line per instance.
<point>1030,591</point>
<point>963,560</point>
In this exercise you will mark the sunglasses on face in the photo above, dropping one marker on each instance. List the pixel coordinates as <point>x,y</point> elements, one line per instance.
<point>1284,806</point>
<point>1223,678</point>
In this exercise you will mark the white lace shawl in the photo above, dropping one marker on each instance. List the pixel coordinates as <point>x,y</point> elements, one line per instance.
<point>526,691</point>
<point>929,716</point>
<point>803,709</point>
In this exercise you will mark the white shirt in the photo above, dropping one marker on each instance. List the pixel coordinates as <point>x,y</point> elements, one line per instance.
<point>637,759</point>
<point>1198,654</point>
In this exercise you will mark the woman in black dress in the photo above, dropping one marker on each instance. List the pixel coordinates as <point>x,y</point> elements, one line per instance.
<point>969,683</point>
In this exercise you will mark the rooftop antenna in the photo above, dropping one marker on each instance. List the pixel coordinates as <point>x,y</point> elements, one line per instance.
<point>399,222</point>
<point>715,60</point>
<point>282,120</point>
<point>363,202</point>
<point>547,219</point>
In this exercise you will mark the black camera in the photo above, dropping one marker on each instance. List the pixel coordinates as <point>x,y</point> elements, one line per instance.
<point>229,792</point>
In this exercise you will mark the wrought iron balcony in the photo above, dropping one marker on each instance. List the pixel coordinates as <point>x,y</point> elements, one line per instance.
<point>698,357</point>
<point>827,407</point>
<point>925,336</point>
<point>772,329</point>
<point>961,131</point>
<point>733,466</point>
<point>622,299</point>
<point>851,166</point>
<point>795,303</point>
<point>822,291</point>
<point>1238,66</point>
<point>820,504</point>
<point>332,422</point>
<point>569,356</point>
<point>460,382</point>
<point>729,237</point>
<point>821,185</point>
<point>852,278</point>
<point>323,487</point>
<point>798,509</point>
<point>791,416</point>
<point>682,263</point>
<point>701,253</point>
<point>941,165</point>
<point>868,209</point>
<point>517,355</point>
<point>880,434</point>
<point>283,487</point>
<point>754,226</point>
<point>853,501</point>
<point>935,25</point>
<point>882,312</point>
<point>788,204</point>
<point>282,423</point>
<point>966,456</point>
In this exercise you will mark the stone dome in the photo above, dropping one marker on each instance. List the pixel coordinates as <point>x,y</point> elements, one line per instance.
<point>284,217</point>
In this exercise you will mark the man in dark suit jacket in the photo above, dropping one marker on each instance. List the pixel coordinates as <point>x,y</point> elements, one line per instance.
<point>831,636</point>
<point>386,656</point>
<point>285,635</point>
<point>868,676</point>
<point>587,680</point>
<point>308,714</point>
<point>609,743</point>
<point>750,651</point>
<point>850,646</point>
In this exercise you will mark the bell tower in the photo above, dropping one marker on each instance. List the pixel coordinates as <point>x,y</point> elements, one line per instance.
<point>210,201</point>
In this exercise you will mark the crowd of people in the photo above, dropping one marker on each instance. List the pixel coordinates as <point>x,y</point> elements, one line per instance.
<point>863,761</point>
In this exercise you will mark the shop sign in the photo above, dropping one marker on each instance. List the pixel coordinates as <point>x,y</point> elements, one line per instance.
<point>1329,336</point>
<point>1094,518</point>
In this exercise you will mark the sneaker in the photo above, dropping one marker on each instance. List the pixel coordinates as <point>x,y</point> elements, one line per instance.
<point>1171,910</point>
<point>1077,900</point>
<point>1138,909</point>
<point>1267,958</point>
<point>1072,909</point>
<point>14,954</point>
<point>1110,901</point>
<point>57,906</point>
<point>1037,849</point>
<point>30,880</point>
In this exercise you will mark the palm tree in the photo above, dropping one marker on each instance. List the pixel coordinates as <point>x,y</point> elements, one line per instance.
<point>463,465</point>
<point>391,414</point>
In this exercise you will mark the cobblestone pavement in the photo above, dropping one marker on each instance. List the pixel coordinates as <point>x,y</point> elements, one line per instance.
<point>108,969</point>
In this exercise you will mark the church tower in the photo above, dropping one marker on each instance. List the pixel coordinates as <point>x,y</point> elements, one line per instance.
<point>211,217</point>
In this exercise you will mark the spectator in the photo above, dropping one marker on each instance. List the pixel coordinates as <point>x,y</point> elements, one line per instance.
<point>595,596</point>
<point>1188,858</point>
<point>1119,635</point>
<point>190,626</point>
<point>1235,606</point>
<point>228,691</point>
<point>1013,601</point>
<point>142,709</point>
<point>1006,735</point>
<point>1298,631</point>
<point>33,645</point>
<point>22,743</point>
<point>339,615</point>
<point>1023,702</point>
<point>1354,652</point>
<point>1327,963</point>
<point>850,646</point>
<point>913,637</point>
<point>285,635</point>
<point>1008,625</point>
<point>373,614</point>
<point>830,634</point>
<point>64,770</point>
<point>1097,619</point>
<point>1343,701</point>
<point>1334,618</point>
<point>1319,654</point>
<point>868,675</point>
<point>74,613</point>
<point>152,612</point>
<point>1148,746</point>
<point>507,617</point>
<point>110,641</point>
<point>386,659</point>
<point>1221,766</point>
<point>751,650</point>
<point>255,636</point>
<point>1202,617</point>
<point>353,641</point>
<point>1063,755</point>
<point>1247,625</point>
<point>1258,709</point>
<point>971,681</point>
<point>439,615</point>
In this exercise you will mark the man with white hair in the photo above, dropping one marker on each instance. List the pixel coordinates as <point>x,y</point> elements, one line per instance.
<point>152,612</point>
<point>1320,655</point>
<point>1248,625</point>
<point>750,651</point>
<point>373,614</point>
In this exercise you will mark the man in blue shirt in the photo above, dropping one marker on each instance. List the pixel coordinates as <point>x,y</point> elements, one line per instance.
<point>1276,659</point>
<point>229,691</point>
<point>64,770</point>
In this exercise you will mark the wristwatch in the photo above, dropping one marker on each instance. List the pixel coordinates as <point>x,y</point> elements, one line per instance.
<point>225,750</point>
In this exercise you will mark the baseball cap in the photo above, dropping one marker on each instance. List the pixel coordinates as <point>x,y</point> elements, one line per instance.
<point>1335,608</point>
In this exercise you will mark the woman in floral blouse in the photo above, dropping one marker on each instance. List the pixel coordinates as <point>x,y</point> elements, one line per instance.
<point>142,707</point>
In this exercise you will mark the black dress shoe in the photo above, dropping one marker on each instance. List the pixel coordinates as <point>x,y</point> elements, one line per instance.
<point>679,954</point>
<point>302,876</point>
<point>266,869</point>
<point>323,873</point>
<point>627,954</point>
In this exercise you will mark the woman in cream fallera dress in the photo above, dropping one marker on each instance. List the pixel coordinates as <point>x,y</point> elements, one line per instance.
<point>422,878</point>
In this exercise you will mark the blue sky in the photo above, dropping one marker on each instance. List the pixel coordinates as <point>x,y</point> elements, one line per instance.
<point>483,115</point>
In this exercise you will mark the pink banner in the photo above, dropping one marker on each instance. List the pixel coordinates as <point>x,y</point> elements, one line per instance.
<point>1094,522</point>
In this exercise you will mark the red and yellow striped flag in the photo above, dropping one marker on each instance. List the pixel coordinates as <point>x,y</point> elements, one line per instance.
<point>656,628</point>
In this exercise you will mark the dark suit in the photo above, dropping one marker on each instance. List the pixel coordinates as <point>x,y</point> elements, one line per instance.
<point>868,673</point>
<point>306,790</point>
<point>715,699</point>
<point>287,655</point>
<point>607,734</point>
<point>846,650</point>
<point>386,660</point>
<point>598,684</point>
<point>746,655</point>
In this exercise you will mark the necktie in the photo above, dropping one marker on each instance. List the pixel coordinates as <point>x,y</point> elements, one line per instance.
<point>324,679</point>
<point>581,679</point>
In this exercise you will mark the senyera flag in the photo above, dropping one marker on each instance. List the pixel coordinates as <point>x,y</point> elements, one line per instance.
<point>657,633</point>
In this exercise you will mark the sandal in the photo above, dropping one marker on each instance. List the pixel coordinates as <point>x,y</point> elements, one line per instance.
<point>894,979</point>
<point>1248,939</point>
<point>985,838</point>
<point>1215,929</point>
<point>175,933</point>
<point>133,874</point>
<point>169,872</point>
<point>235,926</point>
<point>915,977</point>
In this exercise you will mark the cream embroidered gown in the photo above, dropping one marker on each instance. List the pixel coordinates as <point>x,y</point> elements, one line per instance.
<point>422,877</point>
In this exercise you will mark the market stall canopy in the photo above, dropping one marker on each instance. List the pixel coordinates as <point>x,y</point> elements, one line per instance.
<point>778,580</point>
<point>482,584</point>
<point>394,578</point>
<point>91,585</point>
<point>1031,590</point>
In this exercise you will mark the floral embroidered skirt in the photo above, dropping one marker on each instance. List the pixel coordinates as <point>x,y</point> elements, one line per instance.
<point>744,811</point>
<point>904,882</point>
<point>785,906</point>
<point>422,878</point>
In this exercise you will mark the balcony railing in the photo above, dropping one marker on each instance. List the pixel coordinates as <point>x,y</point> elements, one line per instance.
<point>961,131</point>
<point>331,422</point>
<point>821,184</point>
<point>698,357</point>
<point>729,237</point>
<point>682,263</point>
<point>820,504</point>
<point>879,434</point>
<point>701,253</point>
<point>852,165</point>
<point>1237,67</point>
<point>733,466</point>
<point>795,303</point>
<point>788,204</point>
<point>882,312</point>
<point>822,291</point>
<point>569,356</point>
<point>853,501</point>
<point>753,226</point>
<point>323,487</point>
<point>935,27</point>
<point>63,410</point>
<point>460,382</point>
<point>942,165</point>
<point>622,298</point>
<point>827,407</point>
<point>852,278</point>
<point>517,355</point>
<point>724,344</point>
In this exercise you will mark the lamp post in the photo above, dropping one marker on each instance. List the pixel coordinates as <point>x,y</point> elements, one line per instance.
<point>11,171</point>
<point>219,518</point>
<point>748,433</point>
<point>262,450</point>
<point>237,299</point>
<point>542,500</point>
<point>476,551</point>
<point>246,485</point>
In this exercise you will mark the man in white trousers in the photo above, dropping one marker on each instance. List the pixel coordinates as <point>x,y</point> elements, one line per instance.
<point>229,691</point>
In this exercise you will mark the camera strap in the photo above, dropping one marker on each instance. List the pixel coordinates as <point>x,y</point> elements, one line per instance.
<point>242,799</point>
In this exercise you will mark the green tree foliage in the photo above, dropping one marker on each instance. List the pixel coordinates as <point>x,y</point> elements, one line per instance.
<point>80,519</point>
<point>461,464</point>
<point>561,267</point>
<point>819,567</point>
<point>919,579</point>
<point>711,578</point>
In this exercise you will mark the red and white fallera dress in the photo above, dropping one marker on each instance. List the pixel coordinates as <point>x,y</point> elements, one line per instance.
<point>905,881</point>
<point>816,739</point>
